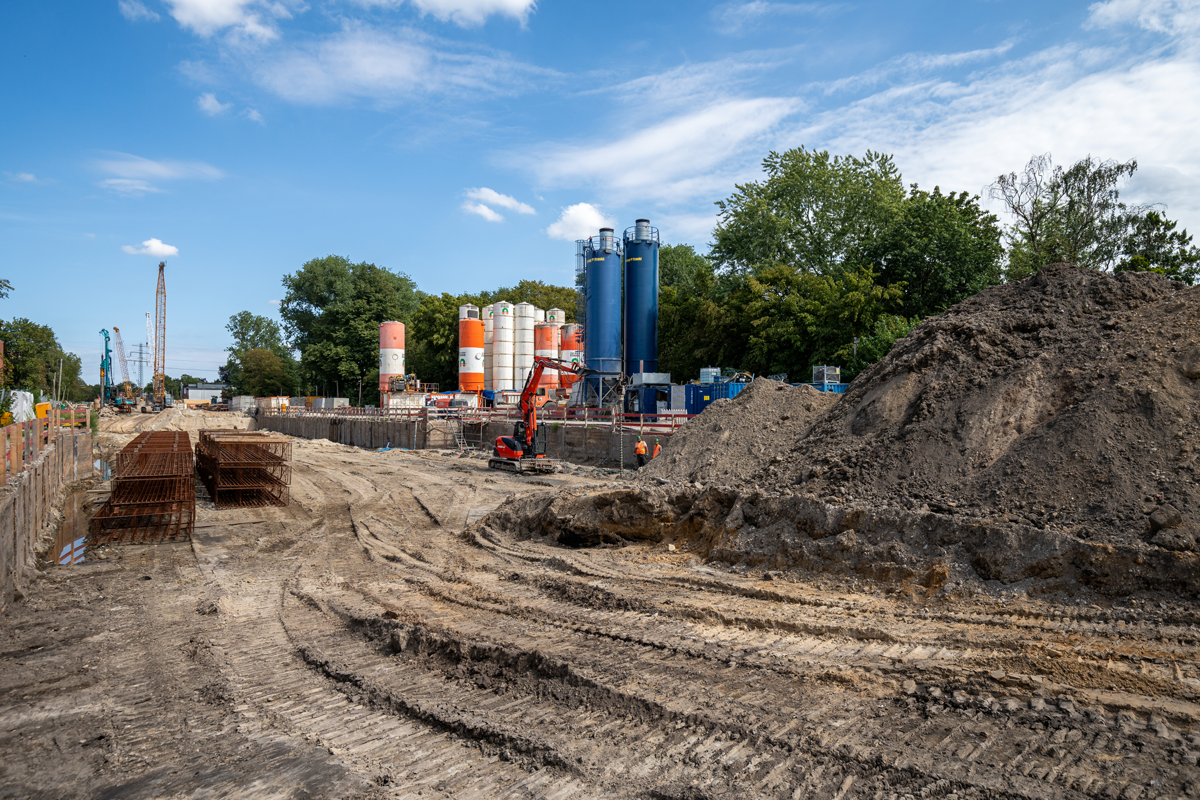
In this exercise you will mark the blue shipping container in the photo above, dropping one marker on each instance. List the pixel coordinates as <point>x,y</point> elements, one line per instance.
<point>700,397</point>
<point>839,388</point>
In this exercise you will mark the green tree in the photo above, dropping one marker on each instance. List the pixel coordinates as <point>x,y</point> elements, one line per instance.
<point>700,322</point>
<point>941,249</point>
<point>542,295</point>
<point>32,357</point>
<point>433,354</point>
<point>802,319</point>
<point>1153,245</point>
<point>251,332</point>
<point>264,373</point>
<point>5,288</point>
<point>1073,215</point>
<point>332,309</point>
<point>814,213</point>
<point>871,347</point>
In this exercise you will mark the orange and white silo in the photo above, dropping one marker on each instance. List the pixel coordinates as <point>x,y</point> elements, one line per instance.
<point>545,343</point>
<point>571,350</point>
<point>470,355</point>
<point>391,353</point>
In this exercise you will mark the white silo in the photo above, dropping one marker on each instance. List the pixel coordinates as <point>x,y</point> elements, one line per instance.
<point>523,361</point>
<point>468,311</point>
<point>503,346</point>
<point>539,315</point>
<point>486,314</point>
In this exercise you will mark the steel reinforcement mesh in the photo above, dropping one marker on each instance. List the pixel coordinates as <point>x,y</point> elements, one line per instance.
<point>153,496</point>
<point>244,469</point>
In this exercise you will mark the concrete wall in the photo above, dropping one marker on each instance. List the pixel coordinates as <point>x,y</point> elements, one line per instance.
<point>598,445</point>
<point>25,504</point>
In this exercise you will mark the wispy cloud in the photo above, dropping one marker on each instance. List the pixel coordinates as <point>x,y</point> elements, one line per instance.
<point>912,65</point>
<point>494,198</point>
<point>22,177</point>
<point>135,10</point>
<point>481,210</point>
<point>210,105</point>
<point>469,13</point>
<point>130,187</point>
<point>251,20</point>
<point>152,247</point>
<point>736,18</point>
<point>363,62</point>
<point>579,222</point>
<point>1172,17</point>
<point>693,154</point>
<point>133,174</point>
<point>253,115</point>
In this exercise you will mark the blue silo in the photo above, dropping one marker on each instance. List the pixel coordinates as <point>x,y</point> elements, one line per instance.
<point>602,332</point>
<point>641,298</point>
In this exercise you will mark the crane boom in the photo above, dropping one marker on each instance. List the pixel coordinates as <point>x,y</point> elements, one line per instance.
<point>160,337</point>
<point>128,386</point>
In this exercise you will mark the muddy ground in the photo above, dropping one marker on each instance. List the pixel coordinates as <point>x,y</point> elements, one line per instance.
<point>370,641</point>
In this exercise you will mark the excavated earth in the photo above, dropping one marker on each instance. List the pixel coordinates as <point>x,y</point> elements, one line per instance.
<point>1039,436</point>
<point>414,625</point>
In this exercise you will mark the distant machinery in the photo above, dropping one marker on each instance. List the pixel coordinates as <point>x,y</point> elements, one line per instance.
<point>127,384</point>
<point>160,339</point>
<point>106,382</point>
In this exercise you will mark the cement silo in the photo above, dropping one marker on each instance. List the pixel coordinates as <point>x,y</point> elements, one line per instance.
<point>470,354</point>
<point>523,361</point>
<point>485,314</point>
<point>641,299</point>
<point>602,336</point>
<point>391,353</point>
<point>503,346</point>
<point>571,351</point>
<point>545,344</point>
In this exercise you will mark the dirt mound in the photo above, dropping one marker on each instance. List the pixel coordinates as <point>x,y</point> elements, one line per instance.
<point>1069,401</point>
<point>735,437</point>
<point>1042,430</point>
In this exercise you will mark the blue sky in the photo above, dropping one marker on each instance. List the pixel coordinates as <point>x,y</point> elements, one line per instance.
<point>467,142</point>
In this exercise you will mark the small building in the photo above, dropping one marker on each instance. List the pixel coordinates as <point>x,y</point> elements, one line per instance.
<point>203,393</point>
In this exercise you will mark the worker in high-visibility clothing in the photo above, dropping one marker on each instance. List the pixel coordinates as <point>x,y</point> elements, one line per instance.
<point>639,450</point>
<point>657,449</point>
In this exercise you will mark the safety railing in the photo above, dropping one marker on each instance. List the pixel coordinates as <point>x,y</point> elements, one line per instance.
<point>22,442</point>
<point>662,422</point>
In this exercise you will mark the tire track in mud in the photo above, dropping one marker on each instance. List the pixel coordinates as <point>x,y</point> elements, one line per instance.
<point>268,658</point>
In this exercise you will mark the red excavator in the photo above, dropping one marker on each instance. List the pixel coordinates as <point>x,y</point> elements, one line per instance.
<point>525,450</point>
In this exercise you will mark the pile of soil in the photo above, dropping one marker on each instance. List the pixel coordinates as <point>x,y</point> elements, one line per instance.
<point>735,437</point>
<point>1044,430</point>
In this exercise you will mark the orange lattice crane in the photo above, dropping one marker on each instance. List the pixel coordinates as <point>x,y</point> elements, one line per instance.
<point>128,386</point>
<point>160,339</point>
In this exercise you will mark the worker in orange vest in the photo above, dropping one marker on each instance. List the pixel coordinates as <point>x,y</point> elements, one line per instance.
<point>657,449</point>
<point>639,450</point>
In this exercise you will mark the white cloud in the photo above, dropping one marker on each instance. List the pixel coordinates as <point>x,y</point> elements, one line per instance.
<point>210,105</point>
<point>130,186</point>
<point>275,302</point>
<point>243,18</point>
<point>494,198</point>
<point>579,222</point>
<point>1175,17</point>
<point>22,177</point>
<point>483,211</point>
<point>134,10</point>
<point>911,65</point>
<point>152,247</point>
<point>124,165</point>
<point>695,154</point>
<point>134,173</point>
<point>735,18</point>
<point>253,115</point>
<point>367,63</point>
<point>467,13</point>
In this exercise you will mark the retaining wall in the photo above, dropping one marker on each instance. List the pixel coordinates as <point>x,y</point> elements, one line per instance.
<point>25,503</point>
<point>595,445</point>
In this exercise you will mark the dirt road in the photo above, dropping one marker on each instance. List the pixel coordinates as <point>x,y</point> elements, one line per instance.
<point>367,641</point>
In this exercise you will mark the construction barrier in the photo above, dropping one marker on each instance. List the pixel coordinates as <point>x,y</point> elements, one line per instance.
<point>39,457</point>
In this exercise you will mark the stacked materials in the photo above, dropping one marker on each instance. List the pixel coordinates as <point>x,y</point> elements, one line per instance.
<point>244,469</point>
<point>153,495</point>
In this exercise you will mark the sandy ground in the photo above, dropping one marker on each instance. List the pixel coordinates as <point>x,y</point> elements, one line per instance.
<point>368,641</point>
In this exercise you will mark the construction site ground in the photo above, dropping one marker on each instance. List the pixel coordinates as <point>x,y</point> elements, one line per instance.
<point>369,641</point>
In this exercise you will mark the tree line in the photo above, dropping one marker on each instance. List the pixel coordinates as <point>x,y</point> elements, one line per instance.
<point>826,260</point>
